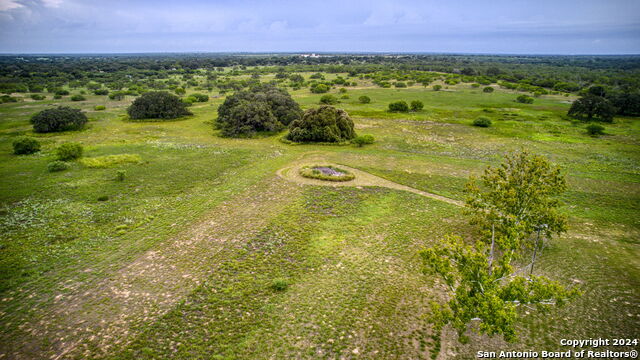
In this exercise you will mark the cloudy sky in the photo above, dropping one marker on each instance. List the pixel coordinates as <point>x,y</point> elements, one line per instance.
<point>474,26</point>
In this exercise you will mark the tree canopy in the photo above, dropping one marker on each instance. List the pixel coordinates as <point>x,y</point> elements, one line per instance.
<point>322,124</point>
<point>592,107</point>
<point>262,108</point>
<point>157,105</point>
<point>61,118</point>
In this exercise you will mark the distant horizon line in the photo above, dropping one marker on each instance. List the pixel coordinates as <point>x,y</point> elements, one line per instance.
<point>309,52</point>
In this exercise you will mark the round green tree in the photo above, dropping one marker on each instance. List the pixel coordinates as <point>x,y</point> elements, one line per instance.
<point>157,105</point>
<point>322,124</point>
<point>275,103</point>
<point>62,118</point>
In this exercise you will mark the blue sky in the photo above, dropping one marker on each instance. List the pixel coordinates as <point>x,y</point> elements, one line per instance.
<point>493,26</point>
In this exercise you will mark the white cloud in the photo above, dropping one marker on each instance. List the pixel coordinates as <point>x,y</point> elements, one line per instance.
<point>52,3</point>
<point>9,4</point>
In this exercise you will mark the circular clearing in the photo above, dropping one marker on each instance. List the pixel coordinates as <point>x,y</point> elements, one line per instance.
<point>326,173</point>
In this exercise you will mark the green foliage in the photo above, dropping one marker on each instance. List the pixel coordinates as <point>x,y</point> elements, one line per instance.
<point>7,99</point>
<point>488,89</point>
<point>57,165</point>
<point>487,293</point>
<point>364,99</point>
<point>200,97</point>
<point>516,197</point>
<point>400,84</point>
<point>78,98</point>
<point>482,122</point>
<point>595,129</point>
<point>157,105</point>
<point>121,175</point>
<point>101,92</point>
<point>38,97</point>
<point>103,198</point>
<point>117,95</point>
<point>180,91</point>
<point>62,92</point>
<point>319,88</point>
<point>399,106</point>
<point>99,107</point>
<point>322,124</point>
<point>279,284</point>
<point>245,119</point>
<point>417,105</point>
<point>362,140</point>
<point>25,145</point>
<point>328,99</point>
<point>316,172</point>
<point>591,107</point>
<point>263,108</point>
<point>524,99</point>
<point>58,119</point>
<point>437,87</point>
<point>69,151</point>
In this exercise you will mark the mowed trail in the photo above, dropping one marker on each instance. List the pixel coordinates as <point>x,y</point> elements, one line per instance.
<point>89,324</point>
<point>363,178</point>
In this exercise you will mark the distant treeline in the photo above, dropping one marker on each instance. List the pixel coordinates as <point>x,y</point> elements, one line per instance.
<point>619,75</point>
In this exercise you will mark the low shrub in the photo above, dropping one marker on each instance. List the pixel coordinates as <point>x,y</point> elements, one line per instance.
<point>364,99</point>
<point>99,107</point>
<point>69,151</point>
<point>8,99</point>
<point>101,92</point>
<point>103,198</point>
<point>363,140</point>
<point>524,99</point>
<point>57,165</point>
<point>25,146</point>
<point>437,87</point>
<point>416,105</point>
<point>328,99</point>
<point>38,97</point>
<point>482,122</point>
<point>62,92</point>
<point>200,97</point>
<point>315,172</point>
<point>488,89</point>
<point>121,175</point>
<point>279,284</point>
<point>399,106</point>
<point>595,129</point>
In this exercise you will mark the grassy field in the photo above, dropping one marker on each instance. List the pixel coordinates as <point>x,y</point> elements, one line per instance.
<point>181,259</point>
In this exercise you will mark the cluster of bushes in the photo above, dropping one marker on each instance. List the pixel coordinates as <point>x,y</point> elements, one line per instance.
<point>402,106</point>
<point>64,153</point>
<point>322,124</point>
<point>38,97</point>
<point>194,98</point>
<point>61,118</point>
<point>157,105</point>
<point>524,99</point>
<point>263,108</point>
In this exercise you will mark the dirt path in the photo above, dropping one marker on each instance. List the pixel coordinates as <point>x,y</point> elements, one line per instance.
<point>292,173</point>
<point>152,284</point>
